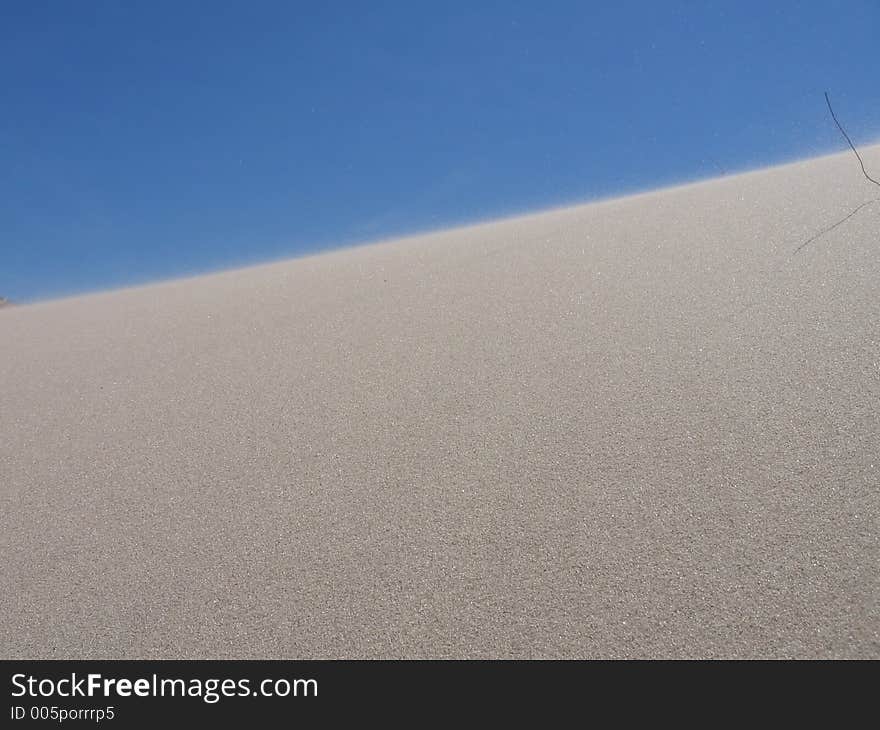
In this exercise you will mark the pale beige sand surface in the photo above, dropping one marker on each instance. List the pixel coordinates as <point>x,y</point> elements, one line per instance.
<point>636,428</point>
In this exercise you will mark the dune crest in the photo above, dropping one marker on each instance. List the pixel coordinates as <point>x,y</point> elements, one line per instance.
<point>635,428</point>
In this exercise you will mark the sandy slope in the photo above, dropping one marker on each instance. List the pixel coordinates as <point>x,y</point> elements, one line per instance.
<point>635,428</point>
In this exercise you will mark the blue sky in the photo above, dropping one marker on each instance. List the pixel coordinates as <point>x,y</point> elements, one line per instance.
<point>141,141</point>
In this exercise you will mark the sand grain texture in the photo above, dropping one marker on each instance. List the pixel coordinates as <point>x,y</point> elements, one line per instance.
<point>635,428</point>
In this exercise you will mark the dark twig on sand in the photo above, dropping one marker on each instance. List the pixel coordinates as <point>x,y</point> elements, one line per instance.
<point>832,227</point>
<point>864,172</point>
<point>849,141</point>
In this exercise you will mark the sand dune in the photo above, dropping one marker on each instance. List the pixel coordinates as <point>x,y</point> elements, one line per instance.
<point>635,428</point>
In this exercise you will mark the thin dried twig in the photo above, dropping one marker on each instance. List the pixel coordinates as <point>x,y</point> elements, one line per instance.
<point>849,141</point>
<point>864,172</point>
<point>832,227</point>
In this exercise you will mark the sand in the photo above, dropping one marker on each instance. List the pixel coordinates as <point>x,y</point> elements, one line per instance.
<point>634,428</point>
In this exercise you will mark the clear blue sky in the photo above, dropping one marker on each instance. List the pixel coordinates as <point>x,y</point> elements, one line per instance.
<point>155,139</point>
